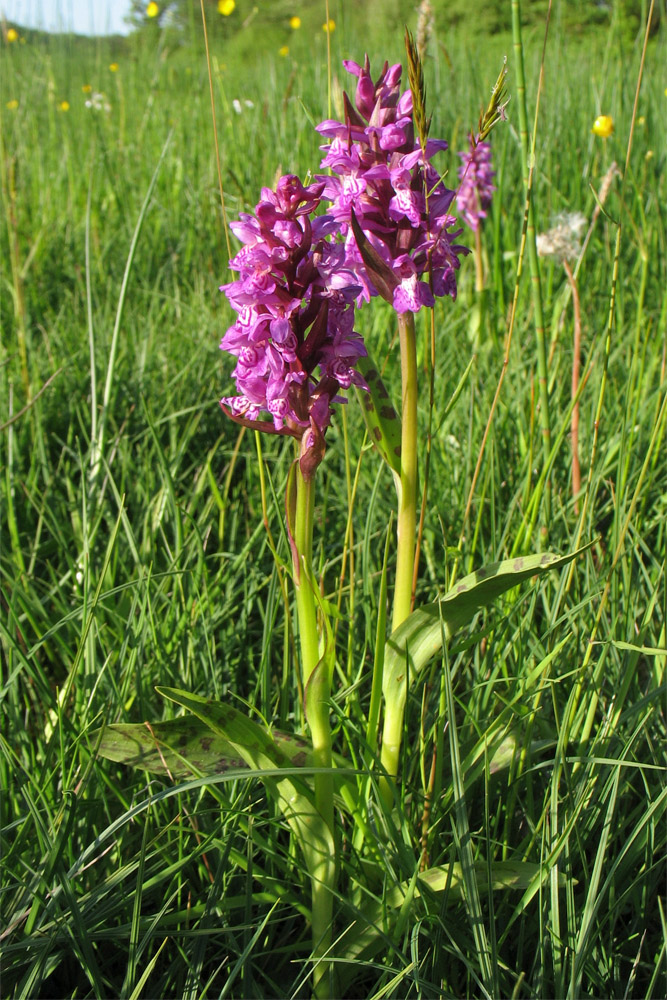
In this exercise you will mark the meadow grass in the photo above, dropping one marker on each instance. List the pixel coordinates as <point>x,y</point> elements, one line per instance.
<point>143,543</point>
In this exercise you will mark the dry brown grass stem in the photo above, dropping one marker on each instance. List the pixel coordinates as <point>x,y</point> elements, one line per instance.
<point>605,188</point>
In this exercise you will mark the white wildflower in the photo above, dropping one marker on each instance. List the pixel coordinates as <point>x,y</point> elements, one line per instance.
<point>98,102</point>
<point>563,240</point>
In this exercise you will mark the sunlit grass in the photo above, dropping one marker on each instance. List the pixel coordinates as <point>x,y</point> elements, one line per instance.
<point>144,560</point>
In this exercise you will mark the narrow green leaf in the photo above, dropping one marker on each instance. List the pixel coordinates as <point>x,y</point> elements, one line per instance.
<point>66,820</point>
<point>374,923</point>
<point>138,989</point>
<point>382,421</point>
<point>504,875</point>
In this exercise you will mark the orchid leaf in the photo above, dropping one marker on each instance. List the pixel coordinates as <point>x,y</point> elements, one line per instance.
<point>186,747</point>
<point>318,688</point>
<point>183,747</point>
<point>262,754</point>
<point>421,635</point>
<point>374,925</point>
<point>248,740</point>
<point>502,874</point>
<point>382,421</point>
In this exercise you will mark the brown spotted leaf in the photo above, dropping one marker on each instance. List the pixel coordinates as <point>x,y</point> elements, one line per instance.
<point>184,747</point>
<point>272,764</point>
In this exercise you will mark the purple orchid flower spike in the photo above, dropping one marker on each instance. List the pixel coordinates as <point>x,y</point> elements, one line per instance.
<point>473,198</point>
<point>293,339</point>
<point>389,201</point>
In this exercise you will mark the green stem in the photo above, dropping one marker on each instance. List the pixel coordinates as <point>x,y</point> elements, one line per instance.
<point>305,599</point>
<point>407,506</point>
<point>481,291</point>
<point>317,689</point>
<point>479,262</point>
<point>527,162</point>
<point>405,532</point>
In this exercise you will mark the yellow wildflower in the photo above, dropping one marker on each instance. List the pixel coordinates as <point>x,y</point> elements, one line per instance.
<point>295,22</point>
<point>603,126</point>
<point>12,105</point>
<point>113,67</point>
<point>225,7</point>
<point>283,50</point>
<point>63,106</point>
<point>329,25</point>
<point>12,35</point>
<point>152,10</point>
<point>86,88</point>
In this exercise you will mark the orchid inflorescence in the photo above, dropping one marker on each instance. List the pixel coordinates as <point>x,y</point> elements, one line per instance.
<point>295,314</point>
<point>476,188</point>
<point>387,231</point>
<point>384,181</point>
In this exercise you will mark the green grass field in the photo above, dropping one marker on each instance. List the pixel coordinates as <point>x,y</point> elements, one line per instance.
<point>143,542</point>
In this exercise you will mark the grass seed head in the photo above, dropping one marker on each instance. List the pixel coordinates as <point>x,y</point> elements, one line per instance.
<point>425,27</point>
<point>607,181</point>
<point>418,89</point>
<point>495,111</point>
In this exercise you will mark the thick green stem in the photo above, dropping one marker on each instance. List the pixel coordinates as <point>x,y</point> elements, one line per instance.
<point>481,291</point>
<point>479,262</point>
<point>305,599</point>
<point>407,506</point>
<point>317,688</point>
<point>405,532</point>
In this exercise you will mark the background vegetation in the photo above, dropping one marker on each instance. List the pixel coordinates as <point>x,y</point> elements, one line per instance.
<point>157,569</point>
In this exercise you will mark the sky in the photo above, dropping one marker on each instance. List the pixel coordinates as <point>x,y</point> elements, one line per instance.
<point>85,17</point>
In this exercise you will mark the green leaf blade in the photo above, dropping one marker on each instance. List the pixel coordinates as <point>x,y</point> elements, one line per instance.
<point>420,636</point>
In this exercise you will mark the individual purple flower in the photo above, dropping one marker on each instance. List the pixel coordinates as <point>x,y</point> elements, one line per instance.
<point>476,189</point>
<point>389,201</point>
<point>293,339</point>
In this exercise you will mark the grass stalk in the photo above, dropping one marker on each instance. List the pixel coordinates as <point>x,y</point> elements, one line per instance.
<point>576,368</point>
<point>97,444</point>
<point>10,200</point>
<point>528,163</point>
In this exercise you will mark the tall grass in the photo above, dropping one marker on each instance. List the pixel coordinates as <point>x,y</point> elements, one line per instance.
<point>134,548</point>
